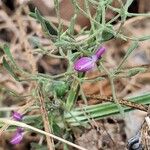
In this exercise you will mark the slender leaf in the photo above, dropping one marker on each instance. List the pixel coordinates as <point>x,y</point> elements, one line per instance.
<point>6,50</point>
<point>72,24</point>
<point>9,69</point>
<point>73,93</point>
<point>134,71</point>
<point>103,110</point>
<point>47,26</point>
<point>133,46</point>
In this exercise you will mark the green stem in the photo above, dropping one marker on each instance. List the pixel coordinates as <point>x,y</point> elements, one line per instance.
<point>115,97</point>
<point>131,48</point>
<point>111,79</point>
<point>102,110</point>
<point>73,93</point>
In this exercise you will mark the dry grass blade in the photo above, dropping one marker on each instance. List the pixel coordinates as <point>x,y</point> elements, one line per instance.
<point>23,125</point>
<point>50,142</point>
<point>21,110</point>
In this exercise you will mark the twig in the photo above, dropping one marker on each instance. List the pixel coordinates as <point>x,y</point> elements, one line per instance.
<point>25,43</point>
<point>50,142</point>
<point>147,66</point>
<point>109,135</point>
<point>147,121</point>
<point>121,101</point>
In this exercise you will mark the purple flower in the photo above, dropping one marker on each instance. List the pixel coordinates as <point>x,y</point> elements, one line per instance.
<point>17,116</point>
<point>18,136</point>
<point>87,63</point>
<point>84,64</point>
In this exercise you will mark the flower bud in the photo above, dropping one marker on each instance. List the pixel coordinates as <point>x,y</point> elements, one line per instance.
<point>84,64</point>
<point>17,116</point>
<point>18,136</point>
<point>87,63</point>
<point>99,52</point>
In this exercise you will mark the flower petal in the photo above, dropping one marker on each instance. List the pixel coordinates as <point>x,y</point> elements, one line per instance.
<point>17,116</point>
<point>17,138</point>
<point>84,64</point>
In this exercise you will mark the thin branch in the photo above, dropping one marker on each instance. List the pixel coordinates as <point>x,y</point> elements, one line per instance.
<point>111,79</point>
<point>50,142</point>
<point>103,76</point>
<point>121,101</point>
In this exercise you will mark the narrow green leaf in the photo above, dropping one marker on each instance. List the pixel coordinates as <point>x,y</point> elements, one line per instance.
<point>133,46</point>
<point>61,52</point>
<point>56,129</point>
<point>134,71</point>
<point>73,93</point>
<point>6,50</point>
<point>47,26</point>
<point>143,38</point>
<point>103,110</point>
<point>106,35</point>
<point>72,24</point>
<point>9,69</point>
<point>71,99</point>
<point>38,146</point>
<point>128,3</point>
<point>42,22</point>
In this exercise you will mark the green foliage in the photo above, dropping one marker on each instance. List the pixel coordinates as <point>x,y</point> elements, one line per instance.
<point>38,146</point>
<point>47,26</point>
<point>9,69</point>
<point>65,88</point>
<point>100,111</point>
<point>106,35</point>
<point>69,49</point>
<point>56,129</point>
<point>6,50</point>
<point>60,87</point>
<point>134,71</point>
<point>73,93</point>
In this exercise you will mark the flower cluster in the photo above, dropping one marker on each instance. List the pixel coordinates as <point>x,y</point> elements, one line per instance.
<point>87,63</point>
<point>18,136</point>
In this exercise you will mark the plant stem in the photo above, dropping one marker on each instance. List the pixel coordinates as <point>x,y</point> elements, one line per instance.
<point>115,97</point>
<point>133,46</point>
<point>73,93</point>
<point>111,79</point>
<point>50,142</point>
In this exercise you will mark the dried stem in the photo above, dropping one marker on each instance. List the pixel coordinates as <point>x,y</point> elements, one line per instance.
<point>50,142</point>
<point>25,43</point>
<point>121,101</point>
